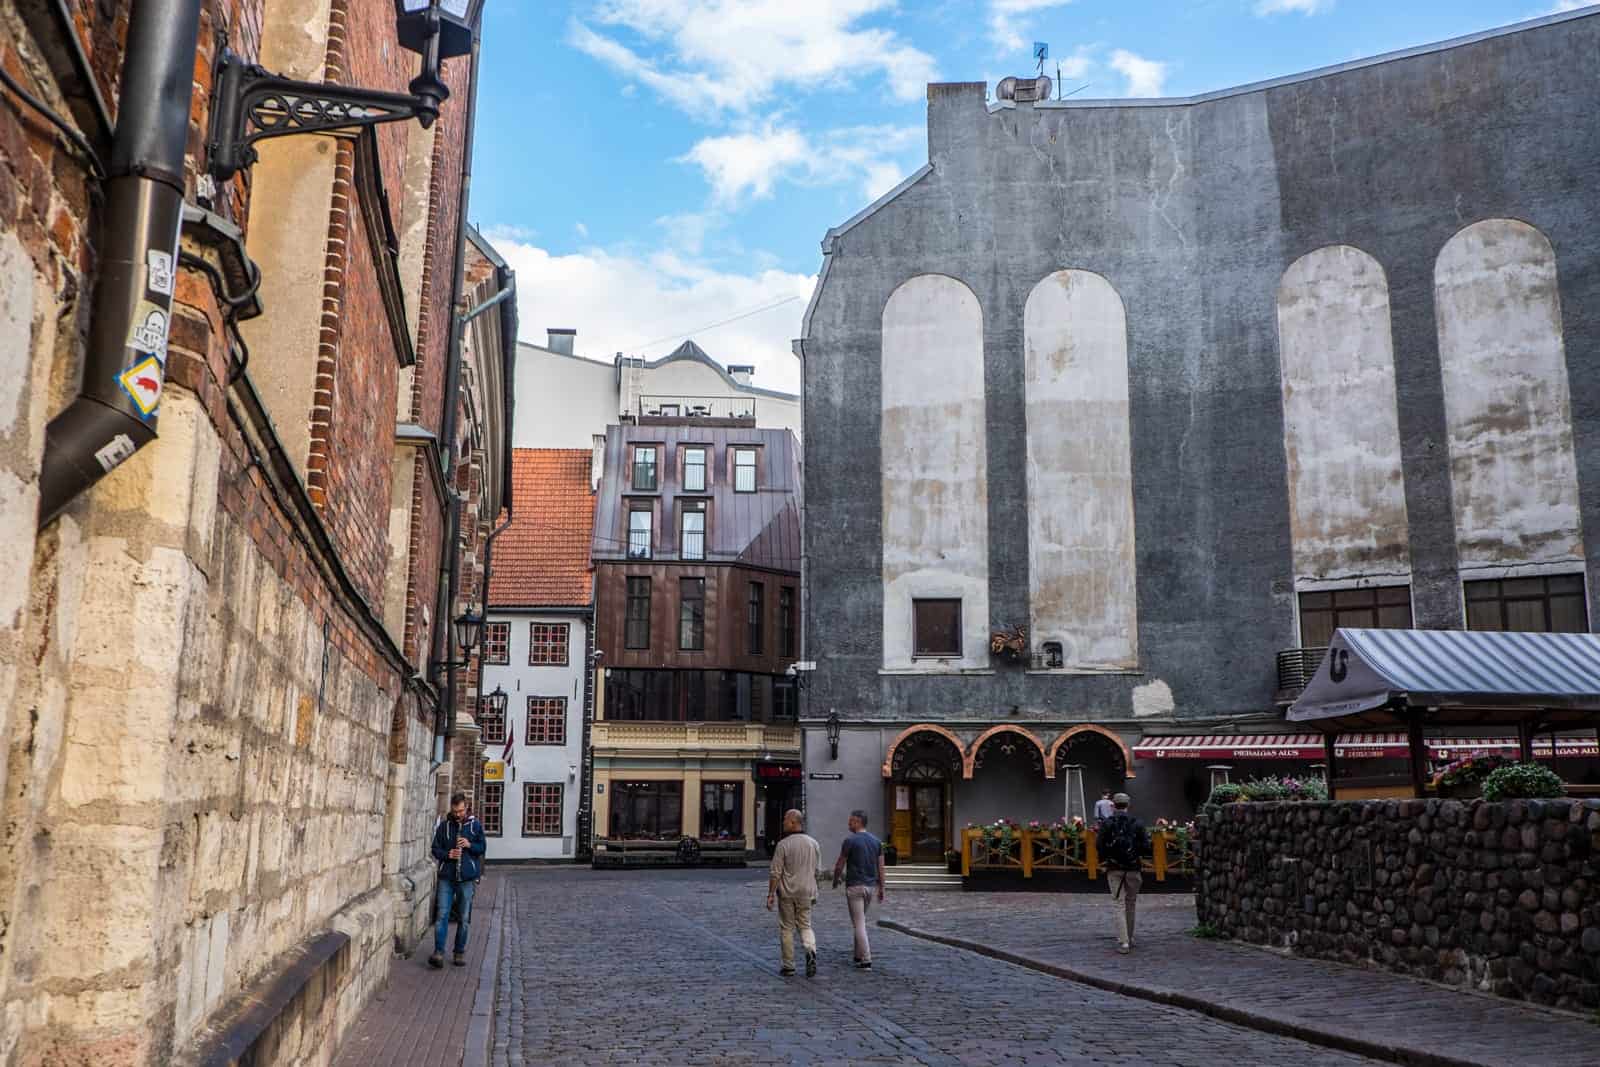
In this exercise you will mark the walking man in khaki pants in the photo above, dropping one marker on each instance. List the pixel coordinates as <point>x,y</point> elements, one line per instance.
<point>1122,842</point>
<point>793,884</point>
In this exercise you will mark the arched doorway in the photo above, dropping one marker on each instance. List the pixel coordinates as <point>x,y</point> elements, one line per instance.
<point>1089,761</point>
<point>922,767</point>
<point>1006,778</point>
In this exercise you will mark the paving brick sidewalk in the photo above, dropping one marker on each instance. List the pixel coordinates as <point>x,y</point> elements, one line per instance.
<point>1364,1011</point>
<point>422,1018</point>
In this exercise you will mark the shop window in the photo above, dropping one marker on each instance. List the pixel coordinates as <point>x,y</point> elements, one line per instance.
<point>497,643</point>
<point>648,810</point>
<point>541,809</point>
<point>1386,607</point>
<point>547,644</point>
<point>1551,604</point>
<point>547,721</point>
<point>494,794</point>
<point>692,614</point>
<point>721,810</point>
<point>637,628</point>
<point>936,628</point>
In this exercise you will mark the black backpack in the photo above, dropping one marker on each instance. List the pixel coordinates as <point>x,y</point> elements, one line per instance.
<point>1120,842</point>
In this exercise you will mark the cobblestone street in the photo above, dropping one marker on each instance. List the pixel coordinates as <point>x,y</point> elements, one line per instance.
<point>681,967</point>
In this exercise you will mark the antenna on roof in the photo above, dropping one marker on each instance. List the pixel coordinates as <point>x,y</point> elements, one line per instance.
<point>1041,52</point>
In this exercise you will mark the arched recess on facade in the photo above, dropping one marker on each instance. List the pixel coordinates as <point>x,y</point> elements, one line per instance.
<point>974,754</point>
<point>926,735</point>
<point>1059,748</point>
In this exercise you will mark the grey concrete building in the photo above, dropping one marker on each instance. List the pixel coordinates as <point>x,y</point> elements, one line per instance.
<point>1176,386</point>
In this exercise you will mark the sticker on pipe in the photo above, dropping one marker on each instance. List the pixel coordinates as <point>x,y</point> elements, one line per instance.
<point>149,332</point>
<point>142,382</point>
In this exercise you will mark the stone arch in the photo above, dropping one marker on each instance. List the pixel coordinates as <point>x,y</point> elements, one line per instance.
<point>1082,564</point>
<point>1341,419</point>
<point>909,733</point>
<point>1100,731</point>
<point>1507,401</point>
<point>970,756</point>
<point>934,463</point>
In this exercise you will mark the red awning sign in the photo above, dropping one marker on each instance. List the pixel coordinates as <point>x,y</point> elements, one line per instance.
<point>1309,747</point>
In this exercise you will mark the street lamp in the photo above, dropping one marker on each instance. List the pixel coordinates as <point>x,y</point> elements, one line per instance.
<point>469,627</point>
<point>833,734</point>
<point>250,104</point>
<point>495,704</point>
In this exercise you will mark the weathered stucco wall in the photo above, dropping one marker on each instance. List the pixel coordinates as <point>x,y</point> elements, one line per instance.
<point>1082,571</point>
<point>1513,475</point>
<point>935,475</point>
<point>1347,502</point>
<point>1193,212</point>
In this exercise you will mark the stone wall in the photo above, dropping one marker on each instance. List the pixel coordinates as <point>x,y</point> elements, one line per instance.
<point>1502,898</point>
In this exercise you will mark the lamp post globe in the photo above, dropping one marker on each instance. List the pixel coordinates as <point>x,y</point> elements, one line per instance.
<point>832,727</point>
<point>496,703</point>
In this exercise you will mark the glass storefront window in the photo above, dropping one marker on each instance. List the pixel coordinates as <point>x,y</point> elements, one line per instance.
<point>647,810</point>
<point>721,810</point>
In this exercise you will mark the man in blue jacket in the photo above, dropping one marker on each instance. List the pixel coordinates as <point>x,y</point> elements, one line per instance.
<point>458,846</point>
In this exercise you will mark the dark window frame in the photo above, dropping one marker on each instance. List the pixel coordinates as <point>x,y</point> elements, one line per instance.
<point>636,615</point>
<point>492,727</point>
<point>644,548</point>
<point>724,828</point>
<point>559,791</point>
<point>924,649</point>
<point>685,510</point>
<point>786,622</point>
<point>1380,607</point>
<point>704,467</point>
<point>661,792</point>
<point>653,467</point>
<point>754,467</point>
<point>546,639</point>
<point>695,617</point>
<point>1569,588</point>
<point>551,715</point>
<point>497,643</point>
<point>755,617</point>
<point>494,805</point>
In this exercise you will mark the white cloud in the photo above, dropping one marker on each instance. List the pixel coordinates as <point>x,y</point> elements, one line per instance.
<point>583,231</point>
<point>751,163</point>
<point>712,56</point>
<point>1146,77</point>
<point>1006,27</point>
<point>618,300</point>
<point>1281,7</point>
<point>1568,5</point>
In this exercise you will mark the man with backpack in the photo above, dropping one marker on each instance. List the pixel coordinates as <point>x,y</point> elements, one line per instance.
<point>458,846</point>
<point>1122,842</point>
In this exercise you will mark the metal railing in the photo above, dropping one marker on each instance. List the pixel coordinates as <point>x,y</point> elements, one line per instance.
<point>697,407</point>
<point>638,544</point>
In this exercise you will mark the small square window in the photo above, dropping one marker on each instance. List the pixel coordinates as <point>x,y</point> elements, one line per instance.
<point>547,721</point>
<point>492,723</point>
<point>936,628</point>
<point>541,812</point>
<point>497,642</point>
<point>547,644</point>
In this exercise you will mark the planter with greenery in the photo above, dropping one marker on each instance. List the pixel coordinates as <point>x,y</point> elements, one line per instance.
<point>1521,781</point>
<point>1464,777</point>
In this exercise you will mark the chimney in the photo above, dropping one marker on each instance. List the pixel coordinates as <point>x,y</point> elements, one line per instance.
<point>742,375</point>
<point>561,340</point>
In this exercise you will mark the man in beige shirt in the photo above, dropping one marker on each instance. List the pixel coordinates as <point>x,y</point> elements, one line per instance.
<point>793,884</point>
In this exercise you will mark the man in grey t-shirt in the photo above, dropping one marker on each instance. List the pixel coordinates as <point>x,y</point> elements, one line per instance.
<point>861,863</point>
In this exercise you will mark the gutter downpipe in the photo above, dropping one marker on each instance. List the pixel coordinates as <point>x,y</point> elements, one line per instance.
<point>445,718</point>
<point>114,413</point>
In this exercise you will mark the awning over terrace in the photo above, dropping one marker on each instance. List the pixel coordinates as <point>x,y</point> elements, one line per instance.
<point>1309,747</point>
<point>1458,677</point>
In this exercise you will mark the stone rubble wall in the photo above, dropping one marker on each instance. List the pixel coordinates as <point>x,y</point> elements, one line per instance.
<point>1503,898</point>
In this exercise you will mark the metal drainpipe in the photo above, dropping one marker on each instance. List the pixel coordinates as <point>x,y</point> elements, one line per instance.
<point>114,415</point>
<point>445,723</point>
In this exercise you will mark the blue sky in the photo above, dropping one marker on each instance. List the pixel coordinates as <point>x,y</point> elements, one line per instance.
<point>653,168</point>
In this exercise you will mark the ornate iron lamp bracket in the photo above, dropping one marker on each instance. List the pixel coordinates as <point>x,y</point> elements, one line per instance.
<point>250,104</point>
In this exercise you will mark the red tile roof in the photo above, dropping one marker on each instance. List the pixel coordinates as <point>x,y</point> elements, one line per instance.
<point>542,559</point>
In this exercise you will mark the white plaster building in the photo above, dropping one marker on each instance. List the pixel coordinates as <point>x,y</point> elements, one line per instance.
<point>536,650</point>
<point>568,400</point>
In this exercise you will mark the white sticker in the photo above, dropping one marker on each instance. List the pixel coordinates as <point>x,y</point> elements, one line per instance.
<point>158,265</point>
<point>115,451</point>
<point>149,333</point>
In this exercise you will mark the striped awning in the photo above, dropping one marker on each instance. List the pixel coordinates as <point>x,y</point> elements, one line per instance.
<point>1368,672</point>
<point>1308,747</point>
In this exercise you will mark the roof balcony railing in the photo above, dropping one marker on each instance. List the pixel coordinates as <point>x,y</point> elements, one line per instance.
<point>1295,669</point>
<point>737,409</point>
